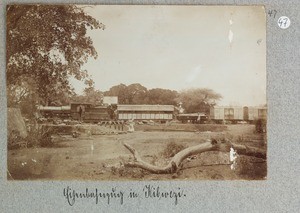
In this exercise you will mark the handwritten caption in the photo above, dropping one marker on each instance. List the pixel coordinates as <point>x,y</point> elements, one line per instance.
<point>115,195</point>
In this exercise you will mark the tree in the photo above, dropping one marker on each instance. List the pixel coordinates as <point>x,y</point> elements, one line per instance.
<point>131,94</point>
<point>118,90</point>
<point>46,44</point>
<point>136,93</point>
<point>90,95</point>
<point>21,92</point>
<point>198,100</point>
<point>162,96</point>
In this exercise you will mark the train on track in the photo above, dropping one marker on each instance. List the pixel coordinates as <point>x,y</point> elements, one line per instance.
<point>236,114</point>
<point>77,111</point>
<point>87,112</point>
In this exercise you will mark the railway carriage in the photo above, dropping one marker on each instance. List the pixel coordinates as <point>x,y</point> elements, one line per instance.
<point>160,113</point>
<point>236,114</point>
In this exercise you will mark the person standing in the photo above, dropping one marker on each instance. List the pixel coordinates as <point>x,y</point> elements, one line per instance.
<point>81,113</point>
<point>131,126</point>
<point>199,118</point>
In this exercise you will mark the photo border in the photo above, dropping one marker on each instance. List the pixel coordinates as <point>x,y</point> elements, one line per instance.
<point>280,192</point>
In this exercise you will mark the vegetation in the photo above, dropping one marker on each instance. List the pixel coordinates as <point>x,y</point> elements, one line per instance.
<point>138,94</point>
<point>90,95</point>
<point>193,100</point>
<point>260,125</point>
<point>38,136</point>
<point>198,99</point>
<point>46,44</point>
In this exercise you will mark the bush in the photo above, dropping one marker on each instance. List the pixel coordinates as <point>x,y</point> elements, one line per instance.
<point>37,136</point>
<point>251,168</point>
<point>14,140</point>
<point>40,135</point>
<point>260,125</point>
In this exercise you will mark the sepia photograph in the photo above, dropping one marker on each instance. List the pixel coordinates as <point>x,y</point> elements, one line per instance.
<point>136,92</point>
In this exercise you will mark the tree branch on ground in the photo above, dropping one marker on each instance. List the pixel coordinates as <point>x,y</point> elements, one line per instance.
<point>176,162</point>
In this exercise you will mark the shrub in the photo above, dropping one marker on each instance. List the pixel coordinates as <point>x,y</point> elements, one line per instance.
<point>14,140</point>
<point>40,135</point>
<point>251,168</point>
<point>260,125</point>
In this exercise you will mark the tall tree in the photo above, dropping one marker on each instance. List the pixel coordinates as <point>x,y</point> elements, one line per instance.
<point>131,94</point>
<point>198,100</point>
<point>90,95</point>
<point>162,96</point>
<point>46,44</point>
<point>136,93</point>
<point>118,90</point>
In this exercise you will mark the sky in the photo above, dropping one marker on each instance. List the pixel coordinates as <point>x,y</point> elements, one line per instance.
<point>179,47</point>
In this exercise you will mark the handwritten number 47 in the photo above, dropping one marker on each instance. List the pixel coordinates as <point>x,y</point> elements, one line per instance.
<point>282,22</point>
<point>272,13</point>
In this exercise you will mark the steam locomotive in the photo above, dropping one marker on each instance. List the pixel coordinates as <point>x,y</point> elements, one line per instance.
<point>90,113</point>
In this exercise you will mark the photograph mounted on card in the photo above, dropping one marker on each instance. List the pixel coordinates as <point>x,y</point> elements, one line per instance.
<point>136,92</point>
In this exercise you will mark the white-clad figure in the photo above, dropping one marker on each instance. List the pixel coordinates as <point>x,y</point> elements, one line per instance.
<point>131,126</point>
<point>199,118</point>
<point>233,156</point>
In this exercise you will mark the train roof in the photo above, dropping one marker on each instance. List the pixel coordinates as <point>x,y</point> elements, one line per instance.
<point>145,108</point>
<point>256,107</point>
<point>80,103</point>
<point>192,114</point>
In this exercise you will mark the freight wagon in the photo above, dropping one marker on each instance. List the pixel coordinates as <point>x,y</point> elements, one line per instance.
<point>257,113</point>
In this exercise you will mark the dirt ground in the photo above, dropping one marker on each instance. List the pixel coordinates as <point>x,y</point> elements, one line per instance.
<point>100,157</point>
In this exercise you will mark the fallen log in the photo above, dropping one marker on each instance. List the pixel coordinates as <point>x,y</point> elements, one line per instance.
<point>176,162</point>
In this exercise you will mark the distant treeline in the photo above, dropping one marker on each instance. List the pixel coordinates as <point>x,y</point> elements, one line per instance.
<point>193,100</point>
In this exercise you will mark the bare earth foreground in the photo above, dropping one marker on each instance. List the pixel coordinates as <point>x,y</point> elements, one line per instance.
<point>100,157</point>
